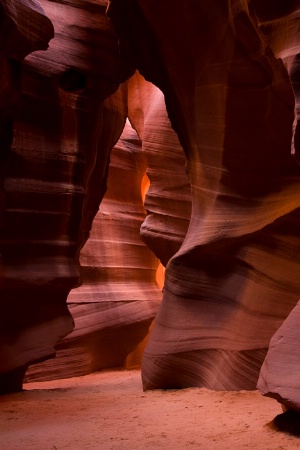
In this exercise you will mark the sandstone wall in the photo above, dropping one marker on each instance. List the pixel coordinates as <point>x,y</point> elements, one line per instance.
<point>221,212</point>
<point>54,175</point>
<point>235,277</point>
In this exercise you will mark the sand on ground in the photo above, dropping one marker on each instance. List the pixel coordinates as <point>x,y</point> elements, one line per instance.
<point>110,411</point>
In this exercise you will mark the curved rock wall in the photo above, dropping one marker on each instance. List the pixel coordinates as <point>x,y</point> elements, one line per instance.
<point>121,278</point>
<point>168,200</point>
<point>279,375</point>
<point>119,296</point>
<point>55,173</point>
<point>18,37</point>
<point>223,216</point>
<point>235,277</point>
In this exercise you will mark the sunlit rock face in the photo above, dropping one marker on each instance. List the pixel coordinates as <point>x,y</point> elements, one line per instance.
<point>68,119</point>
<point>236,275</point>
<point>168,200</point>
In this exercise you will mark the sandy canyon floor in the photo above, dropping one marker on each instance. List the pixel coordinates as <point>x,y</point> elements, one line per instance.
<point>109,410</point>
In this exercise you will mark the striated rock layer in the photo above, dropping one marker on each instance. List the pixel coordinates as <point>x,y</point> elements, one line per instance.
<point>19,37</point>
<point>121,278</point>
<point>236,275</point>
<point>279,375</point>
<point>119,296</point>
<point>223,216</point>
<point>70,114</point>
<point>168,199</point>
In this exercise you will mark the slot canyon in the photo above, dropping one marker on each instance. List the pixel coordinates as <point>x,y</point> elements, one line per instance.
<point>150,193</point>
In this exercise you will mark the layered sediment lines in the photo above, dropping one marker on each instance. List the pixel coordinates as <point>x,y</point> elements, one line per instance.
<point>168,199</point>
<point>118,299</point>
<point>19,37</point>
<point>222,212</point>
<point>148,196</point>
<point>68,119</point>
<point>279,375</point>
<point>235,277</point>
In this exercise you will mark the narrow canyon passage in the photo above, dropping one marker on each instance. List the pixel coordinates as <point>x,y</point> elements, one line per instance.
<point>182,122</point>
<point>145,209</point>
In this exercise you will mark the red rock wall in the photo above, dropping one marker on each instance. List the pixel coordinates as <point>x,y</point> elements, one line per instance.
<point>17,39</point>
<point>117,301</point>
<point>235,277</point>
<point>223,216</point>
<point>55,173</point>
<point>121,277</point>
<point>279,375</point>
<point>168,200</point>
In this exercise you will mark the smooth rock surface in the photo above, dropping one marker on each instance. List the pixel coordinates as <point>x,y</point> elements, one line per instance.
<point>235,277</point>
<point>279,376</point>
<point>168,199</point>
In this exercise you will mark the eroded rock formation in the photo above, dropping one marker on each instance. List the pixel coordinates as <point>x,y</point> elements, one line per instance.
<point>235,277</point>
<point>119,296</point>
<point>55,173</point>
<point>168,200</point>
<point>121,278</point>
<point>223,216</point>
<point>19,37</point>
<point>279,376</point>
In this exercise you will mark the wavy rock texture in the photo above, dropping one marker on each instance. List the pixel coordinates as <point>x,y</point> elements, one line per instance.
<point>279,375</point>
<point>25,28</point>
<point>280,24</point>
<point>168,200</point>
<point>119,296</point>
<point>236,275</point>
<point>223,218</point>
<point>121,277</point>
<point>55,174</point>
